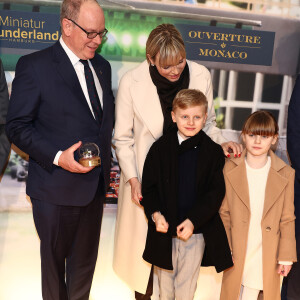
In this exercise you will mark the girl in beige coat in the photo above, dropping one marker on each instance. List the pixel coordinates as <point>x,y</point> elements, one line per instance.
<point>258,214</point>
<point>141,116</point>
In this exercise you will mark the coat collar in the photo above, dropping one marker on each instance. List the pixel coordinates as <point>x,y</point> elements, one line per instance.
<point>276,163</point>
<point>238,179</point>
<point>146,100</point>
<point>275,182</point>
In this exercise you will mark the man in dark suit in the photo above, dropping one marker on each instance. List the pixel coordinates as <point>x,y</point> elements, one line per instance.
<point>61,97</point>
<point>290,285</point>
<point>4,143</point>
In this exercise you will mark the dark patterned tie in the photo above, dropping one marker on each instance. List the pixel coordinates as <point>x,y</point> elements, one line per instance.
<point>90,83</point>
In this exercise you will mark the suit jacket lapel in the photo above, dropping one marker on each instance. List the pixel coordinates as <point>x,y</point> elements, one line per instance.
<point>275,183</point>
<point>68,74</point>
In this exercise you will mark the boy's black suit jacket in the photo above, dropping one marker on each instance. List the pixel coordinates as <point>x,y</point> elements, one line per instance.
<point>159,190</point>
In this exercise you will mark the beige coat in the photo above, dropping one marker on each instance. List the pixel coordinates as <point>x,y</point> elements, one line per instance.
<point>139,123</point>
<point>277,224</point>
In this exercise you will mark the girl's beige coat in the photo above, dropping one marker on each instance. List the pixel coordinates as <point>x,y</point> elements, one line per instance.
<point>277,224</point>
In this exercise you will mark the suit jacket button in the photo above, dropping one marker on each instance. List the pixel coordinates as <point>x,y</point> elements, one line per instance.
<point>268,229</point>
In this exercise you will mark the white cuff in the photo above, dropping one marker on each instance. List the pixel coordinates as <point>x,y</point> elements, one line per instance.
<point>56,158</point>
<point>285,263</point>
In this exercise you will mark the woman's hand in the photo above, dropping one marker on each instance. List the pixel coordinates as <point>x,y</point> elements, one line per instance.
<point>136,190</point>
<point>284,270</point>
<point>232,148</point>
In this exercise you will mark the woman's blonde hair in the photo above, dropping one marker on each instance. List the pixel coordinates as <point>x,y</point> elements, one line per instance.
<point>166,40</point>
<point>261,123</point>
<point>188,98</point>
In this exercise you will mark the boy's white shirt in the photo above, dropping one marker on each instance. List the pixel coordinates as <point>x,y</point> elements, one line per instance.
<point>180,138</point>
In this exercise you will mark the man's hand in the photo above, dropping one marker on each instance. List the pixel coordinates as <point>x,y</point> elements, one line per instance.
<point>232,149</point>
<point>67,161</point>
<point>136,190</point>
<point>185,230</point>
<point>160,222</point>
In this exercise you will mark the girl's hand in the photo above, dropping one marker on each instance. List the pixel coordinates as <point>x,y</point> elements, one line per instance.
<point>284,270</point>
<point>136,190</point>
<point>160,222</point>
<point>185,230</point>
<point>232,149</point>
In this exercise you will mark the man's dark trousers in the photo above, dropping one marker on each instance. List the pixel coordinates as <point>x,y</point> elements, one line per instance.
<point>69,245</point>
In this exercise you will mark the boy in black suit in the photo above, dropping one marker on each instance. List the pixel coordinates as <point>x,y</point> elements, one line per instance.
<point>183,188</point>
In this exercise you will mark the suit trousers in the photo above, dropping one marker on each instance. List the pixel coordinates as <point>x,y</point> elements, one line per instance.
<point>69,240</point>
<point>291,284</point>
<point>181,282</point>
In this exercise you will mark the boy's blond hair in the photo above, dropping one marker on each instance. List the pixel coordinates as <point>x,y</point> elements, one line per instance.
<point>188,98</point>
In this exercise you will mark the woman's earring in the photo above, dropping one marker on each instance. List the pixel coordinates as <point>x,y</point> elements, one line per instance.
<point>152,65</point>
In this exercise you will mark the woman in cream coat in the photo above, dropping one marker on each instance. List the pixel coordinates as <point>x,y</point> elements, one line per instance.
<point>139,123</point>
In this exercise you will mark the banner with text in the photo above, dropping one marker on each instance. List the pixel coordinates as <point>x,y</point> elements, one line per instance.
<point>229,45</point>
<point>28,30</point>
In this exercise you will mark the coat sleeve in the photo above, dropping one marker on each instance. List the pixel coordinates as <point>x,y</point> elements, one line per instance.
<point>150,200</point>
<point>287,241</point>
<point>209,205</point>
<point>22,116</point>
<point>123,138</point>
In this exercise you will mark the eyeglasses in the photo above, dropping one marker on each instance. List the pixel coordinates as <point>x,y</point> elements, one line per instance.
<point>91,35</point>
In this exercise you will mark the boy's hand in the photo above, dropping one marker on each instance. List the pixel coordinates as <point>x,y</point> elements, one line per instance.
<point>160,222</point>
<point>185,230</point>
<point>136,190</point>
<point>284,270</point>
